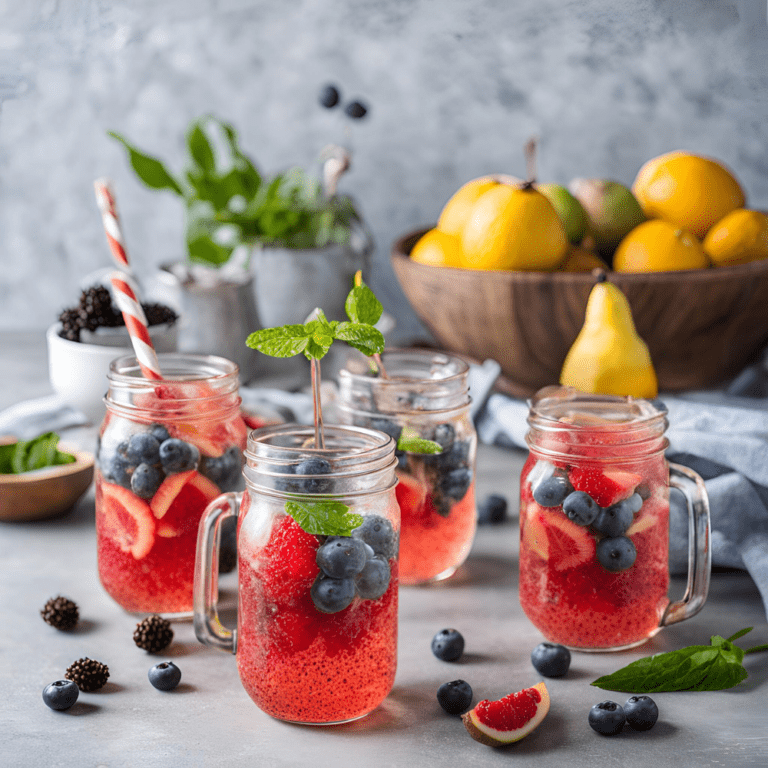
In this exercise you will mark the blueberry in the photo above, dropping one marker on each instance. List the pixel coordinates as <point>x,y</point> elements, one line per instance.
<point>329,96</point>
<point>553,491</point>
<point>455,697</point>
<point>616,554</point>
<point>453,456</point>
<point>616,519</point>
<point>142,448</point>
<point>387,427</point>
<point>117,470</point>
<point>159,432</point>
<point>455,483</point>
<point>402,459</point>
<point>60,695</point>
<point>372,582</point>
<point>444,435</point>
<point>607,718</point>
<point>178,456</point>
<point>356,110</point>
<point>492,509</point>
<point>341,557</point>
<point>332,595</point>
<point>165,676</point>
<point>224,470</point>
<point>448,645</point>
<point>551,660</point>
<point>145,480</point>
<point>641,712</point>
<point>314,466</point>
<point>580,508</point>
<point>377,532</point>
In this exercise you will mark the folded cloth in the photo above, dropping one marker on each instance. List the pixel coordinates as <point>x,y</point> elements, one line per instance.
<point>31,418</point>
<point>721,435</point>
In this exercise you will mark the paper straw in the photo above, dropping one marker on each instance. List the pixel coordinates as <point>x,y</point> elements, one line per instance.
<point>136,322</point>
<point>106,202</point>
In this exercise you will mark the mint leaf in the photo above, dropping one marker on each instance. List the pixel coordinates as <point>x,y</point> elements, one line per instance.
<point>418,445</point>
<point>200,149</point>
<point>366,338</point>
<point>149,169</point>
<point>711,667</point>
<point>362,306</point>
<point>27,455</point>
<point>284,341</point>
<point>324,518</point>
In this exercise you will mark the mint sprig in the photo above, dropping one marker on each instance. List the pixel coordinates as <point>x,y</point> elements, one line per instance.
<point>711,667</point>
<point>324,518</point>
<point>27,455</point>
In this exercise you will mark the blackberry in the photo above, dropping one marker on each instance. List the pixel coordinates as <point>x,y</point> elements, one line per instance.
<point>157,314</point>
<point>153,634</point>
<point>88,675</point>
<point>61,613</point>
<point>96,309</point>
<point>70,325</point>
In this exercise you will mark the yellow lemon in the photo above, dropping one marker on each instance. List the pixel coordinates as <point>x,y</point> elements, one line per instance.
<point>658,246</point>
<point>582,260</point>
<point>457,210</point>
<point>513,227</point>
<point>688,190</point>
<point>738,237</point>
<point>437,249</point>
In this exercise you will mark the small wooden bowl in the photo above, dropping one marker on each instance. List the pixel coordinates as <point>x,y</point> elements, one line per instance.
<point>702,326</point>
<point>44,493</point>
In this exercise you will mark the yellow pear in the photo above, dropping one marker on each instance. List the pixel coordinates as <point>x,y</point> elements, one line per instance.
<point>608,357</point>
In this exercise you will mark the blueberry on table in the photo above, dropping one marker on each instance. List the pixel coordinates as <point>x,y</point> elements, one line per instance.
<point>145,480</point>
<point>492,509</point>
<point>552,491</point>
<point>332,595</point>
<point>641,712</point>
<point>356,110</point>
<point>143,448</point>
<point>615,520</point>
<point>448,645</point>
<point>60,695</point>
<point>164,676</point>
<point>607,718</point>
<point>372,582</point>
<point>551,659</point>
<point>178,456</point>
<point>616,554</point>
<point>580,508</point>
<point>377,532</point>
<point>342,557</point>
<point>329,96</point>
<point>455,697</point>
<point>314,466</point>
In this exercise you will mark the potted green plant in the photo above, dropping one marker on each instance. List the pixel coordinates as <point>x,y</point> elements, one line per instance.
<point>302,241</point>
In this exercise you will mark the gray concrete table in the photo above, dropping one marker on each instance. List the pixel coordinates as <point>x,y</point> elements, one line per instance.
<point>210,721</point>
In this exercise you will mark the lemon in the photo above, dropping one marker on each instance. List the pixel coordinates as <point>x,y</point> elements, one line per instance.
<point>688,190</point>
<point>437,249</point>
<point>515,227</point>
<point>457,210</point>
<point>658,246</point>
<point>739,237</point>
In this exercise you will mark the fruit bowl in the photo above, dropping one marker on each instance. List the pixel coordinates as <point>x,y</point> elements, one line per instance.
<point>44,493</point>
<point>701,326</point>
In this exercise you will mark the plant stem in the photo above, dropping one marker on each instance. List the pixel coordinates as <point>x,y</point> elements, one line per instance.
<point>382,369</point>
<point>316,404</point>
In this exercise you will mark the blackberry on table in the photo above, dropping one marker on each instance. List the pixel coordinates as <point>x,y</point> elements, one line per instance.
<point>61,613</point>
<point>153,634</point>
<point>87,674</point>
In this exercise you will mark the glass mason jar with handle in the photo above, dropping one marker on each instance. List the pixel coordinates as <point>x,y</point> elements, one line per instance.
<point>166,449</point>
<point>425,395</point>
<point>316,637</point>
<point>594,522</point>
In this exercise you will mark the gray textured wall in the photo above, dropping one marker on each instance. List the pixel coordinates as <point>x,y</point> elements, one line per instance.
<point>455,88</point>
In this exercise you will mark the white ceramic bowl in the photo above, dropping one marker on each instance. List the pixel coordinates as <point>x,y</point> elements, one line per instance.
<point>78,370</point>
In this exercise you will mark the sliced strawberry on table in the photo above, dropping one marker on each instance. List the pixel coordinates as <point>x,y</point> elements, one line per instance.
<point>605,486</point>
<point>554,538</point>
<point>127,520</point>
<point>180,500</point>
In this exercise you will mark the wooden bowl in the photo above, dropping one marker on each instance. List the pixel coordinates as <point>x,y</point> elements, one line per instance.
<point>702,326</point>
<point>47,492</point>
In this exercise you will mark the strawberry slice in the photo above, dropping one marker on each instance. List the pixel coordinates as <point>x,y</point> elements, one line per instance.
<point>127,520</point>
<point>554,538</point>
<point>180,500</point>
<point>606,487</point>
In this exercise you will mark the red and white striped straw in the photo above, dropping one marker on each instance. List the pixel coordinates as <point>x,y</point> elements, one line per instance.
<point>136,322</point>
<point>106,202</point>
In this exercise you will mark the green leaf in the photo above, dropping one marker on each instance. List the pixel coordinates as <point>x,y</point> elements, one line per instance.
<point>200,149</point>
<point>366,338</point>
<point>362,306</point>
<point>284,341</point>
<point>27,455</point>
<point>149,169</point>
<point>418,445</point>
<point>739,634</point>
<point>324,518</point>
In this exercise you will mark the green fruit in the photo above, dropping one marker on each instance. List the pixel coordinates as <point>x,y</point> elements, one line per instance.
<point>568,208</point>
<point>612,211</point>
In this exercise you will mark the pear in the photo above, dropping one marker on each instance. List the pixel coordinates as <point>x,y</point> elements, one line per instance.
<point>568,208</point>
<point>608,357</point>
<point>612,211</point>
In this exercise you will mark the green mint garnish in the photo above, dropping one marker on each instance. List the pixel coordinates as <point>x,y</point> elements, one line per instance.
<point>711,667</point>
<point>418,445</point>
<point>26,455</point>
<point>314,338</point>
<point>324,518</point>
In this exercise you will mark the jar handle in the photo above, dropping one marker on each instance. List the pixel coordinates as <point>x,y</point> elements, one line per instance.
<point>699,551</point>
<point>208,627</point>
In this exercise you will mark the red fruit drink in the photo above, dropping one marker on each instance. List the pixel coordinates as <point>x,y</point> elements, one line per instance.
<point>166,450</point>
<point>581,583</point>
